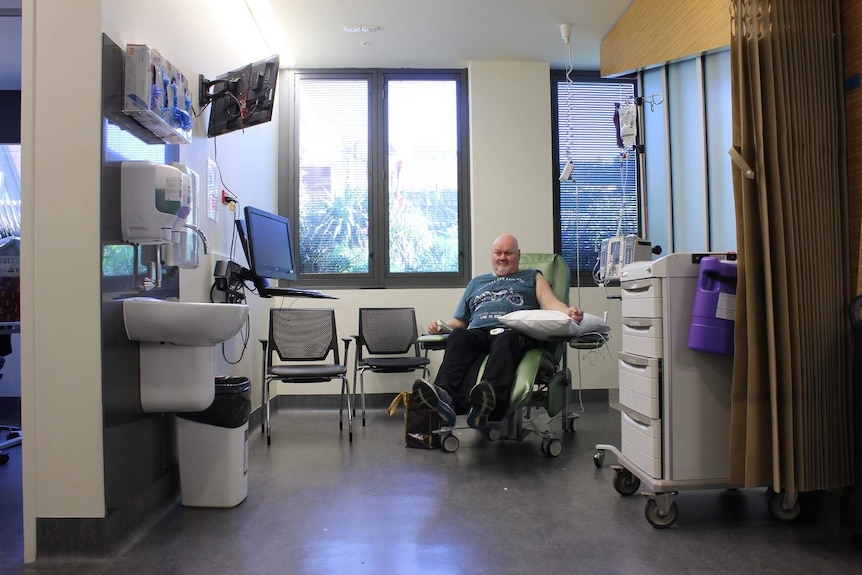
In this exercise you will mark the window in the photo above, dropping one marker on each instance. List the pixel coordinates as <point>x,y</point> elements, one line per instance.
<point>377,177</point>
<point>600,200</point>
<point>10,190</point>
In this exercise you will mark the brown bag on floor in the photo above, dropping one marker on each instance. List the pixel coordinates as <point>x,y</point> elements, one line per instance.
<point>419,421</point>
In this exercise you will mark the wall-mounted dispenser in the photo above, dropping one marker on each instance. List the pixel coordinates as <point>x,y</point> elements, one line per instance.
<point>151,197</point>
<point>184,251</point>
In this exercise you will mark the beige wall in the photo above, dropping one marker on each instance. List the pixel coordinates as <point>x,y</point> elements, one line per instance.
<point>60,265</point>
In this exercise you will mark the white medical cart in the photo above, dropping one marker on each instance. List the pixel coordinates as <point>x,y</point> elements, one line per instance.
<point>674,401</point>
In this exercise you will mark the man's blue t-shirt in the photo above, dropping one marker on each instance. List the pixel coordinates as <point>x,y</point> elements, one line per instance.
<point>488,297</point>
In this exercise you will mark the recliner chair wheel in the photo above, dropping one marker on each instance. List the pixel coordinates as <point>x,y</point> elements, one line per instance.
<point>552,447</point>
<point>493,432</point>
<point>450,443</point>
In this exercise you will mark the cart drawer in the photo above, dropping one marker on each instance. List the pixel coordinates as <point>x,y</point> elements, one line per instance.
<point>640,383</point>
<point>641,444</point>
<point>641,298</point>
<point>642,336</point>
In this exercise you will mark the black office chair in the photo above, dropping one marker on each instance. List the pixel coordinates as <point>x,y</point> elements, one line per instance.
<point>297,337</point>
<point>387,343</point>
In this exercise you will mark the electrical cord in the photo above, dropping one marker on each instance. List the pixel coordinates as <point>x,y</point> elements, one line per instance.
<point>245,341</point>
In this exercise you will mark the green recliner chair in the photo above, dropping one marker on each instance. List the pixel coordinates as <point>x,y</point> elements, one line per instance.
<point>542,380</point>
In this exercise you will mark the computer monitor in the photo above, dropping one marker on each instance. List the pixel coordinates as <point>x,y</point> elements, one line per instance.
<point>241,98</point>
<point>270,245</point>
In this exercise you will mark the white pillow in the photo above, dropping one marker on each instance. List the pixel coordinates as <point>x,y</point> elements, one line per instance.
<point>545,324</point>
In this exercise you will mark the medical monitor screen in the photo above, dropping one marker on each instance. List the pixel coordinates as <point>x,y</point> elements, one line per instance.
<point>243,97</point>
<point>270,244</point>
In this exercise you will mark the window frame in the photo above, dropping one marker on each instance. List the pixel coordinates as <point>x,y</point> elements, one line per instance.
<point>585,277</point>
<point>379,275</point>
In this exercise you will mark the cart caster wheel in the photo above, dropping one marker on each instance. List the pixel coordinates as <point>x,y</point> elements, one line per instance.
<point>571,423</point>
<point>660,521</point>
<point>4,458</point>
<point>450,444</point>
<point>625,483</point>
<point>779,512</point>
<point>552,447</point>
<point>599,458</point>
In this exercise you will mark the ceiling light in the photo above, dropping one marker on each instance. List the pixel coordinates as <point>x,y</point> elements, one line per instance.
<point>361,29</point>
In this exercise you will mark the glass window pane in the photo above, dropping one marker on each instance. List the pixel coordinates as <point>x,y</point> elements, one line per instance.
<point>10,190</point>
<point>600,198</point>
<point>423,175</point>
<point>333,176</point>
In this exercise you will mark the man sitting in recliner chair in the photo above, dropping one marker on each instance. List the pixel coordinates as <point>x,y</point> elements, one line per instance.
<point>476,330</point>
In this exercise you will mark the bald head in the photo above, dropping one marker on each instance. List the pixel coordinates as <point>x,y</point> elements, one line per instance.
<point>505,255</point>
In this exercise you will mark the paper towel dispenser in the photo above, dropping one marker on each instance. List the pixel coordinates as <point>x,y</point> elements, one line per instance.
<point>151,198</point>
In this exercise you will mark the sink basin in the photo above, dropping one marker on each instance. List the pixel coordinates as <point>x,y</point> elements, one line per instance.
<point>182,323</point>
<point>176,342</point>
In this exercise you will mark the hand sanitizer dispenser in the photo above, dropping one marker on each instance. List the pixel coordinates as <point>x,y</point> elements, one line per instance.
<point>151,197</point>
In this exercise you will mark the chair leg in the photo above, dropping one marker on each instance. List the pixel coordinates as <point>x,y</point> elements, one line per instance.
<point>268,424</point>
<point>362,395</point>
<point>354,393</point>
<point>345,394</point>
<point>263,405</point>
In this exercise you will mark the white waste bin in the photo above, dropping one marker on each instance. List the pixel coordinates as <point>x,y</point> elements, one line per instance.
<point>212,447</point>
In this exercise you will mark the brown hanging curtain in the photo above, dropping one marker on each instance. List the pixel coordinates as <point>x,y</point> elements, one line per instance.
<point>790,416</point>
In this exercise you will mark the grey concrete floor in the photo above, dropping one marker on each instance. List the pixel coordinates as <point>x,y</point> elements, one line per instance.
<point>319,505</point>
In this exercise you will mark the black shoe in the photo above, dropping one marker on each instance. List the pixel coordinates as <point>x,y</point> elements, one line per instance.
<point>437,399</point>
<point>482,403</point>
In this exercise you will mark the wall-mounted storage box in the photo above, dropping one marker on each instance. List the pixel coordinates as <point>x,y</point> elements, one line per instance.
<point>157,95</point>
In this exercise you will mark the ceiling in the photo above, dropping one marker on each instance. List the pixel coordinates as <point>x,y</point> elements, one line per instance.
<point>442,33</point>
<point>410,33</point>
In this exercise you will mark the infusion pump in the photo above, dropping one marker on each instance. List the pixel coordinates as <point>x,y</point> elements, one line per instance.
<point>619,251</point>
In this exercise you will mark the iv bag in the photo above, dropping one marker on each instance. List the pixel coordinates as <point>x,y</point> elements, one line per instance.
<point>628,125</point>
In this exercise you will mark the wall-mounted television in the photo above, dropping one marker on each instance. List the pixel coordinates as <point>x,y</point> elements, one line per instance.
<point>241,98</point>
<point>270,245</point>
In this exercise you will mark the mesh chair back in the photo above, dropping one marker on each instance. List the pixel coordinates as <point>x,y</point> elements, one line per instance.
<point>303,334</point>
<point>388,330</point>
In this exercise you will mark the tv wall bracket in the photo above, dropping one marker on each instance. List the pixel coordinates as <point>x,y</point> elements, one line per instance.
<point>204,87</point>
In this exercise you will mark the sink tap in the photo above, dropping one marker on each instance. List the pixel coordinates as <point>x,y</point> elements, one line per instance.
<point>204,241</point>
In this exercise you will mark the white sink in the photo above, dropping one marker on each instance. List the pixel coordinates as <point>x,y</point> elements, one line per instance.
<point>176,342</point>
<point>182,323</point>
